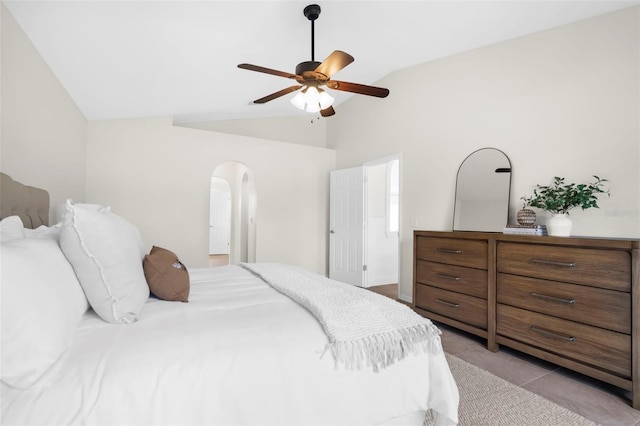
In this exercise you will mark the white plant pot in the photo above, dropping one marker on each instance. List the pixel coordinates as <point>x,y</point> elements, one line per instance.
<point>559,225</point>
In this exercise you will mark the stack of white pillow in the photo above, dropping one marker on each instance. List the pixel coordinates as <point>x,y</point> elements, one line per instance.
<point>51,275</point>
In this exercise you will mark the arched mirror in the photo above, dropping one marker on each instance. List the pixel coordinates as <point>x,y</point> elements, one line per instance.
<point>482,192</point>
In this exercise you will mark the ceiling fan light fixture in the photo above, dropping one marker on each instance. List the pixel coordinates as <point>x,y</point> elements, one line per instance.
<point>311,99</point>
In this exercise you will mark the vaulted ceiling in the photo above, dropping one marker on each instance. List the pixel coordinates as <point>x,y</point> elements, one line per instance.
<point>120,59</point>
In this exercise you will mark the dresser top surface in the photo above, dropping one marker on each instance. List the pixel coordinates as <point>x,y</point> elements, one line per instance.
<point>600,242</point>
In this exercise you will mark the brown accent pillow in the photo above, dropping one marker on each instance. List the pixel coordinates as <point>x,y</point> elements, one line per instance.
<point>167,277</point>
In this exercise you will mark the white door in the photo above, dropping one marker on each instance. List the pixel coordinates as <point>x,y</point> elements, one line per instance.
<point>219,217</point>
<point>346,226</point>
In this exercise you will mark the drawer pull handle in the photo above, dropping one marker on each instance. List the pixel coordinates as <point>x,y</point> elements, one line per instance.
<point>448,277</point>
<point>553,335</point>
<point>449,251</point>
<point>451,305</point>
<point>553,298</point>
<point>554,263</point>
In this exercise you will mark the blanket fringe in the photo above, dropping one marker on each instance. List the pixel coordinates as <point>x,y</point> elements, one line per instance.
<point>381,350</point>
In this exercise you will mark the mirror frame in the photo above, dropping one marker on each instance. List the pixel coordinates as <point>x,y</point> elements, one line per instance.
<point>508,170</point>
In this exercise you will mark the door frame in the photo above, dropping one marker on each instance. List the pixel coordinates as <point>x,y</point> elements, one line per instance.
<point>365,207</point>
<point>241,181</point>
<point>377,162</point>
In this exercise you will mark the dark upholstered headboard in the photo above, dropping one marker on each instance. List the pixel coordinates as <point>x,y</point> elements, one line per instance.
<point>28,202</point>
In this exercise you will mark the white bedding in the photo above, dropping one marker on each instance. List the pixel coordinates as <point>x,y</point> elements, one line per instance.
<point>238,353</point>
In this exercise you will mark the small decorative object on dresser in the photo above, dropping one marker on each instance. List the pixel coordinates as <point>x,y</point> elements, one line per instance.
<point>560,197</point>
<point>526,216</point>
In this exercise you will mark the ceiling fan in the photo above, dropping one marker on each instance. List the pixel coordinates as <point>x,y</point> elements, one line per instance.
<point>311,75</point>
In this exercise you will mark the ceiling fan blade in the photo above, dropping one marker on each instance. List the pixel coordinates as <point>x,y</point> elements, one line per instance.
<point>334,63</point>
<point>361,89</point>
<point>277,94</point>
<point>257,68</point>
<point>327,112</point>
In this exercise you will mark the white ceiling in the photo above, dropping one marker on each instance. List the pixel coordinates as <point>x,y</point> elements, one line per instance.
<point>120,59</point>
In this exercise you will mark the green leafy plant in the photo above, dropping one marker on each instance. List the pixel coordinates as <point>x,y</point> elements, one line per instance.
<point>560,197</point>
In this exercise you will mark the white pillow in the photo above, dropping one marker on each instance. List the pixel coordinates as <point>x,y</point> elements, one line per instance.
<point>61,208</point>
<point>42,303</point>
<point>11,228</point>
<point>106,253</point>
<point>42,231</point>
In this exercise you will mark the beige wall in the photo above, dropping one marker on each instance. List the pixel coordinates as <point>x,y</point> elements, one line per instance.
<point>43,136</point>
<point>157,175</point>
<point>563,102</point>
<point>306,129</point>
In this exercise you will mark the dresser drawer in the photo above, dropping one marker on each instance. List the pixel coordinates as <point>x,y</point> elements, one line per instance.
<point>471,253</point>
<point>601,348</point>
<point>467,309</point>
<point>596,306</point>
<point>449,277</point>
<point>599,268</point>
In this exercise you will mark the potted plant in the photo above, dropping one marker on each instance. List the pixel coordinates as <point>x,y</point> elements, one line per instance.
<point>560,197</point>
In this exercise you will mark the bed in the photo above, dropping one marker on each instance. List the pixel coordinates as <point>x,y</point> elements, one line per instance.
<point>242,351</point>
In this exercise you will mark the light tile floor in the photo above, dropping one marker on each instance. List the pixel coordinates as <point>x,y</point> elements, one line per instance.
<point>598,401</point>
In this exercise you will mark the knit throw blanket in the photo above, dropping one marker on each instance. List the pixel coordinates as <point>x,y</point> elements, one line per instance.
<point>364,328</point>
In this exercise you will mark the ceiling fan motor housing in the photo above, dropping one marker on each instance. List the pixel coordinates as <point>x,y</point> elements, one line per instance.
<point>307,66</point>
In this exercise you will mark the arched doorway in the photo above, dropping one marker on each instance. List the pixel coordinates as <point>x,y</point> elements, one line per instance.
<point>219,222</point>
<point>241,222</point>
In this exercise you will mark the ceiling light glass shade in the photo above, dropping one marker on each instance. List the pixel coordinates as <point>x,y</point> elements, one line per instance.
<point>298,101</point>
<point>312,100</point>
<point>311,95</point>
<point>313,107</point>
<point>326,100</point>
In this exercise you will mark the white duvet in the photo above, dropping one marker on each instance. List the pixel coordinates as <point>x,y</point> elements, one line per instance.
<point>238,353</point>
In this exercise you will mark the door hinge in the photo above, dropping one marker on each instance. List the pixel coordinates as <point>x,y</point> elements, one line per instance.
<point>364,267</point>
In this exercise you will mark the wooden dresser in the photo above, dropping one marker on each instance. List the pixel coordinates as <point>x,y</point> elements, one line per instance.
<point>570,301</point>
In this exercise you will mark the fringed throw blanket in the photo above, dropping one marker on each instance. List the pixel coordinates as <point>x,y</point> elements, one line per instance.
<point>364,328</point>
